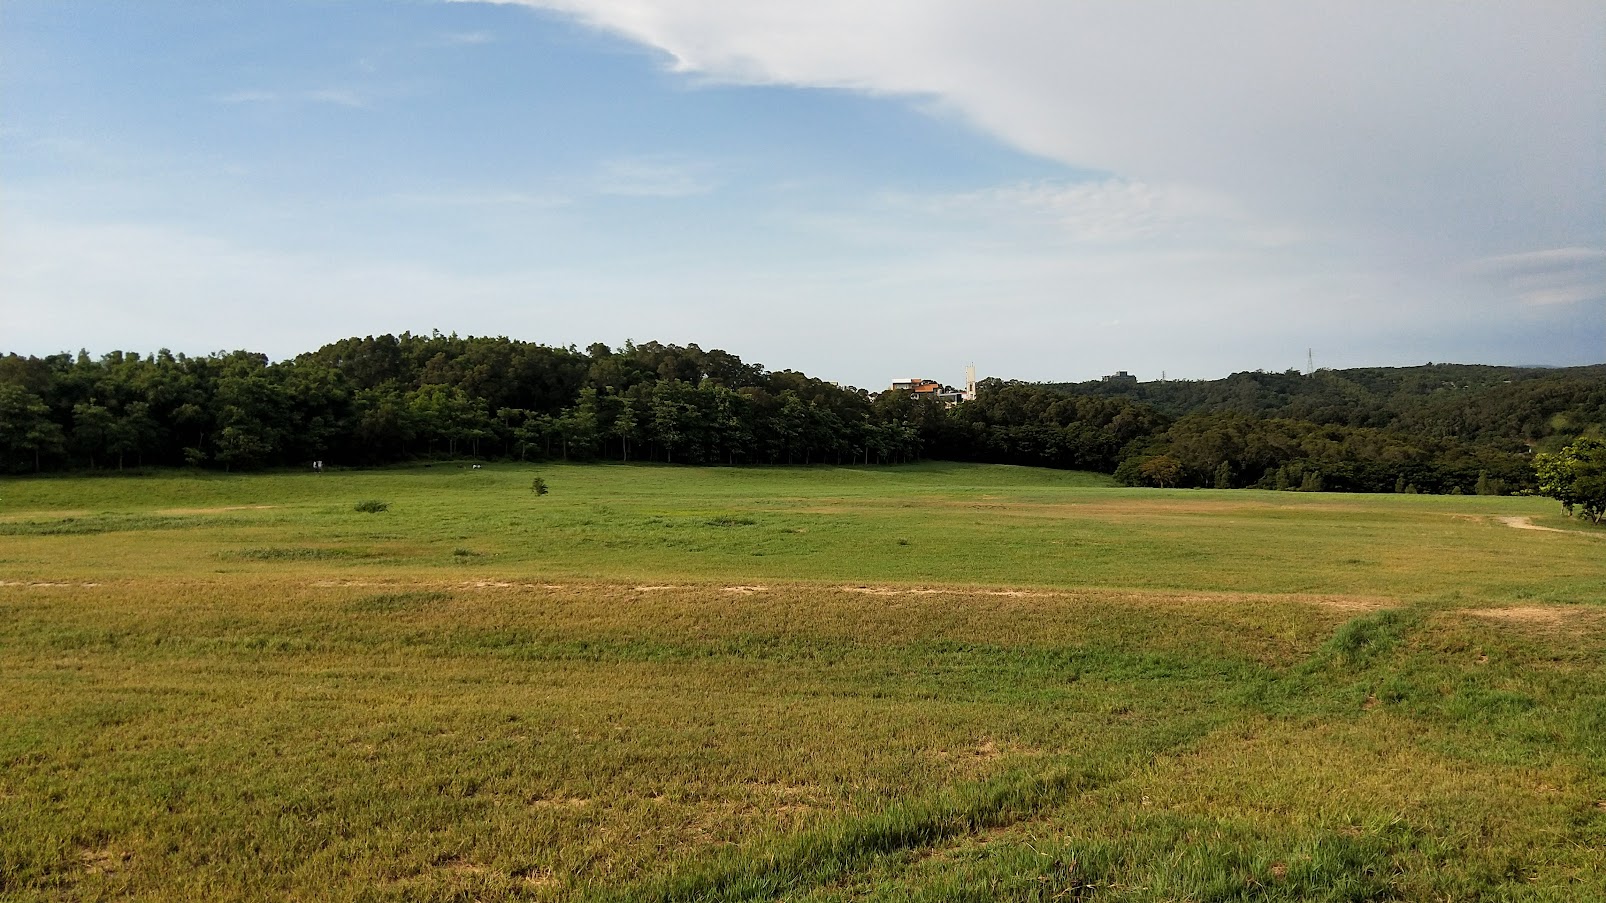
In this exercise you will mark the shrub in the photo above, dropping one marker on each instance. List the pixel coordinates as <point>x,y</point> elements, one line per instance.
<point>371,506</point>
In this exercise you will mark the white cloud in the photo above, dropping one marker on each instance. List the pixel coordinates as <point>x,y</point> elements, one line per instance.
<point>1454,130</point>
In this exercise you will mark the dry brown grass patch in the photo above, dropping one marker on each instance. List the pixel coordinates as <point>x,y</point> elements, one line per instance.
<point>103,862</point>
<point>1544,616</point>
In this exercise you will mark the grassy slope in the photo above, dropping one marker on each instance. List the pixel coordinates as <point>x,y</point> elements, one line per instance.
<point>957,682</point>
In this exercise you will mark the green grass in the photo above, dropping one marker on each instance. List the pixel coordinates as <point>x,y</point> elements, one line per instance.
<point>939,682</point>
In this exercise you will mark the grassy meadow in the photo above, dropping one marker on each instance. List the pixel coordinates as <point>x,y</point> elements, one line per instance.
<point>937,682</point>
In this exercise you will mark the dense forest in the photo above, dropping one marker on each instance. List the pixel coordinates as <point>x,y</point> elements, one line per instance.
<point>1433,428</point>
<point>377,400</point>
<point>1515,407</point>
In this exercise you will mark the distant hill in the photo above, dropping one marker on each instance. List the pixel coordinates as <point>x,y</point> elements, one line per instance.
<point>1515,408</point>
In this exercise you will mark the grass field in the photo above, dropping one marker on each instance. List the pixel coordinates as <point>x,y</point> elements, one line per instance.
<point>941,682</point>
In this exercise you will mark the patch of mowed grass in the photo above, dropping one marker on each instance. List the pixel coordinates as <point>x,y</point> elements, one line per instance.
<point>1055,690</point>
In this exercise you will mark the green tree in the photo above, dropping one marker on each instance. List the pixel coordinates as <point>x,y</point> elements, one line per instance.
<point>1576,477</point>
<point>627,427</point>
<point>92,427</point>
<point>134,432</point>
<point>1161,470</point>
<point>240,445</point>
<point>27,434</point>
<point>1223,475</point>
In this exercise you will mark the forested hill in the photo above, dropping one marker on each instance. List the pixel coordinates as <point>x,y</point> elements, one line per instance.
<point>1514,407</point>
<point>383,399</point>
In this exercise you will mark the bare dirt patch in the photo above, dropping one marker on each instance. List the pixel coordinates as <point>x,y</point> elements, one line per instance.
<point>747,590</point>
<point>1526,523</point>
<point>40,584</point>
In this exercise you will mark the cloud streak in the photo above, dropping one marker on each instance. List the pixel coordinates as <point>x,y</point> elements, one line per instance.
<point>340,97</point>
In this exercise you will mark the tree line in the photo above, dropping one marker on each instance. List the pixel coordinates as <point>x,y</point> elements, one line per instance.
<point>383,399</point>
<point>376,400</point>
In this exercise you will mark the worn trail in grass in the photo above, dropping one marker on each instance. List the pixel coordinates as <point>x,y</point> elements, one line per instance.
<point>924,683</point>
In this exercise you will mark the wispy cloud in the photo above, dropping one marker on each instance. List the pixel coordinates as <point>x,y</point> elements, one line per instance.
<point>1554,276</point>
<point>1109,210</point>
<point>653,177</point>
<point>480,199</point>
<point>340,97</point>
<point>467,38</point>
<point>244,97</point>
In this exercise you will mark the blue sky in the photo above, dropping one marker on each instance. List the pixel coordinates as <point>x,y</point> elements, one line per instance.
<point>1053,191</point>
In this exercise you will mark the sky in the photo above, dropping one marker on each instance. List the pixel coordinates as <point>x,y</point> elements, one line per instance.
<point>1050,190</point>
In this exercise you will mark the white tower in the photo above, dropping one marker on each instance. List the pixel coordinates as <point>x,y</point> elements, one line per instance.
<point>970,382</point>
